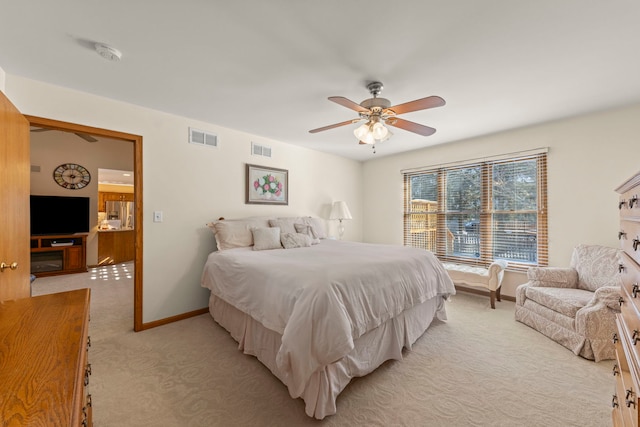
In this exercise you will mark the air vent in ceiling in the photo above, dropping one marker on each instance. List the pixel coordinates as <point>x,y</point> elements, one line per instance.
<point>202,138</point>
<point>260,150</point>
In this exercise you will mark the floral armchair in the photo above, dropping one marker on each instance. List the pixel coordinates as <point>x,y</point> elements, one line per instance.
<point>575,306</point>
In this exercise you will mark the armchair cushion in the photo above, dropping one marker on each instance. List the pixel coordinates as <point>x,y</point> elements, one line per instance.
<point>597,266</point>
<point>555,277</point>
<point>566,301</point>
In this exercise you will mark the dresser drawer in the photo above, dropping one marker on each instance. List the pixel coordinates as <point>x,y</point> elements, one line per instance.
<point>629,203</point>
<point>626,397</point>
<point>629,236</point>
<point>630,276</point>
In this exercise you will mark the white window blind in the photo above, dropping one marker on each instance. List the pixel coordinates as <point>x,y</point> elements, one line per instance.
<point>477,212</point>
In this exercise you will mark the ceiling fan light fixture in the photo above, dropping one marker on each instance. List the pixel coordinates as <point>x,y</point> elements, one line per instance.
<point>379,131</point>
<point>368,138</point>
<point>361,131</point>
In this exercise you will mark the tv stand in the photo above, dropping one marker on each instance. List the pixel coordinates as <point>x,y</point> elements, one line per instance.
<point>58,254</point>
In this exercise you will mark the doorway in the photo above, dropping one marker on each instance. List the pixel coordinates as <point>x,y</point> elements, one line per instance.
<point>136,140</point>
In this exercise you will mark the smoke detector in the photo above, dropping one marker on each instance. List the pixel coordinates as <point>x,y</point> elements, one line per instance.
<point>107,52</point>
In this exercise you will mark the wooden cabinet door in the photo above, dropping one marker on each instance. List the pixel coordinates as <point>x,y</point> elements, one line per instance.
<point>14,200</point>
<point>73,258</point>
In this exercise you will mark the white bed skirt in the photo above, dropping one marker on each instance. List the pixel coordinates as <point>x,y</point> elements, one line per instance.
<point>371,349</point>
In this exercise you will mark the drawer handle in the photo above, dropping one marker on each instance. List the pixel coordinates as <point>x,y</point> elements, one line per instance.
<point>620,268</point>
<point>614,401</point>
<point>622,203</point>
<point>628,400</point>
<point>620,301</point>
<point>615,370</point>
<point>621,234</point>
<point>636,243</point>
<point>615,338</point>
<point>634,290</point>
<point>636,336</point>
<point>632,201</point>
<point>87,372</point>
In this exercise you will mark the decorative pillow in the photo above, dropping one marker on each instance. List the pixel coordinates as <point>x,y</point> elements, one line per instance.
<point>285,224</point>
<point>266,238</point>
<point>235,233</point>
<point>318,226</point>
<point>295,240</point>
<point>308,230</point>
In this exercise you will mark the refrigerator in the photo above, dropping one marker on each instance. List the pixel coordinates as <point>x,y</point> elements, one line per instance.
<point>121,211</point>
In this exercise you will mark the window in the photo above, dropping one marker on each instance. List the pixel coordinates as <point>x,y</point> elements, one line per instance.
<point>477,212</point>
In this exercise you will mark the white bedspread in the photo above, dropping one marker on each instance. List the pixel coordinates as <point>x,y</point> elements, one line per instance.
<point>321,298</point>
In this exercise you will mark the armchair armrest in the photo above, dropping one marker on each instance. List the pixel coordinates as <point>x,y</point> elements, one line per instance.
<point>553,277</point>
<point>607,295</point>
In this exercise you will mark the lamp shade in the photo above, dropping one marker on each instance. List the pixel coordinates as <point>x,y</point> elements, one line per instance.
<point>340,210</point>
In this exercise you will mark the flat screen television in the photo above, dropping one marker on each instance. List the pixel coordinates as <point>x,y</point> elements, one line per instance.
<point>59,215</point>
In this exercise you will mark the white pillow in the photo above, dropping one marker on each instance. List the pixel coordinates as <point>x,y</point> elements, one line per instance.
<point>318,226</point>
<point>308,230</point>
<point>295,240</point>
<point>235,233</point>
<point>285,224</point>
<point>266,238</point>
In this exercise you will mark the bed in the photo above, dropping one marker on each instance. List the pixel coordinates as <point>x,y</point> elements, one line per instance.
<point>319,312</point>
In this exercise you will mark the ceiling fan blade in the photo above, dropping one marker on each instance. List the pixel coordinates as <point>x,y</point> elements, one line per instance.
<point>348,122</point>
<point>411,126</point>
<point>86,137</point>
<point>349,104</point>
<point>418,104</point>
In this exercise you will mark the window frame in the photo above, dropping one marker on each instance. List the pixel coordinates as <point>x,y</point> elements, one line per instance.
<point>486,212</point>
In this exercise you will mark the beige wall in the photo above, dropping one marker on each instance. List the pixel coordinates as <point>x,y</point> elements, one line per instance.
<point>193,185</point>
<point>589,156</point>
<point>51,149</point>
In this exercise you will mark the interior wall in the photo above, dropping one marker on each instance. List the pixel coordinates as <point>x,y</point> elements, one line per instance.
<point>193,185</point>
<point>52,148</point>
<point>589,156</point>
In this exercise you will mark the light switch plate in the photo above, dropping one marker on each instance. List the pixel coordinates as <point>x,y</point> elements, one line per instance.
<point>157,216</point>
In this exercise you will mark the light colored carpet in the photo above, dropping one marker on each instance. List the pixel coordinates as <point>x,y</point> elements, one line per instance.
<point>480,368</point>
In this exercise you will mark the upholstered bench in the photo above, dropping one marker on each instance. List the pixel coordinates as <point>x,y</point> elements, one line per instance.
<point>488,278</point>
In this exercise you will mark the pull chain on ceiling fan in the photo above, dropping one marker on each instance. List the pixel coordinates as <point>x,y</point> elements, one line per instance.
<point>378,111</point>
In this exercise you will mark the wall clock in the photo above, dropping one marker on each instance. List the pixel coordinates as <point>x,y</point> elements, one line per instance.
<point>71,176</point>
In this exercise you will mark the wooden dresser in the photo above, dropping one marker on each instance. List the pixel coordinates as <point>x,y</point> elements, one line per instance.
<point>626,400</point>
<point>44,369</point>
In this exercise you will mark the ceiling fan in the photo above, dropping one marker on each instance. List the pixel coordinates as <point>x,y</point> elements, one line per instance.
<point>376,112</point>
<point>84,136</point>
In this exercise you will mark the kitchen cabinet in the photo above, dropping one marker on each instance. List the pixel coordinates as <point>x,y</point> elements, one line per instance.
<point>116,246</point>
<point>106,196</point>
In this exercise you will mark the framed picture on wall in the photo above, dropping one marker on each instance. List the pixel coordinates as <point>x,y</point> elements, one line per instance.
<point>267,185</point>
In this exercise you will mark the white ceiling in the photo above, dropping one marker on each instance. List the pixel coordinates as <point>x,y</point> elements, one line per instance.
<point>115,177</point>
<point>267,67</point>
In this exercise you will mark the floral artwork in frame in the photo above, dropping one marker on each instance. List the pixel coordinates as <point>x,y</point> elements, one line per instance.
<point>267,185</point>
